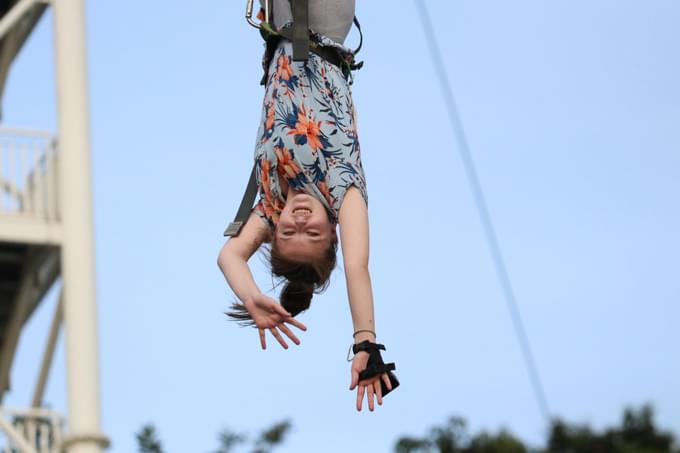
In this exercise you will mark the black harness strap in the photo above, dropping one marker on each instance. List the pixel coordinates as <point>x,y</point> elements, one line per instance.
<point>246,207</point>
<point>361,35</point>
<point>300,30</point>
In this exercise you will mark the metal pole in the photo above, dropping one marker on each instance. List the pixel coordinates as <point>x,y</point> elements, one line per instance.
<point>48,354</point>
<point>78,273</point>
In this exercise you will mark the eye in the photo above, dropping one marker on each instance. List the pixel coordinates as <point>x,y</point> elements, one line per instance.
<point>313,234</point>
<point>288,233</point>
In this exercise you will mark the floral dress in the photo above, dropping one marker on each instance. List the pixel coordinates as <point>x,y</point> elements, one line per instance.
<point>307,135</point>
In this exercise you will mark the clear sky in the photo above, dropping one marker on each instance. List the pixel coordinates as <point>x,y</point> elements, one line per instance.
<point>572,112</point>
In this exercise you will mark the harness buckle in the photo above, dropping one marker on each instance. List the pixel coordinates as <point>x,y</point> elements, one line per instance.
<point>233,229</point>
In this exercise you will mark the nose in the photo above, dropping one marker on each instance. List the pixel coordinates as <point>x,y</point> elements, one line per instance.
<point>300,220</point>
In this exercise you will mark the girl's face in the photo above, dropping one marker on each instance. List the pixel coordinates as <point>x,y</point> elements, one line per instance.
<point>303,230</point>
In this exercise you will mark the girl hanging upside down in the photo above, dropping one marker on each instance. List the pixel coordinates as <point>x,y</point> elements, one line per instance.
<point>310,180</point>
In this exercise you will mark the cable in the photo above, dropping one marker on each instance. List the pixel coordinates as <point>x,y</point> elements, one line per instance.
<point>495,250</point>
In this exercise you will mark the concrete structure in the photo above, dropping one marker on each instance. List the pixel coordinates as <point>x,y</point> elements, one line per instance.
<point>46,237</point>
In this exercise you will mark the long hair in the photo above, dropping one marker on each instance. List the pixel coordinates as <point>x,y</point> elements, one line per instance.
<point>300,280</point>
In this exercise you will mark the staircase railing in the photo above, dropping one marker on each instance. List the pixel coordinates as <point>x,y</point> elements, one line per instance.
<point>31,431</point>
<point>28,174</point>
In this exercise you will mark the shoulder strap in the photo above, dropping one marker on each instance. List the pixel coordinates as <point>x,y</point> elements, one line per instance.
<point>246,207</point>
<point>300,40</point>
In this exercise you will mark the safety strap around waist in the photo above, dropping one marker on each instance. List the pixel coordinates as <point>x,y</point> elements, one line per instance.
<point>299,35</point>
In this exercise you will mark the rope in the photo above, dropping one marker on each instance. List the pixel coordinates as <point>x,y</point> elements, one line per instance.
<point>483,211</point>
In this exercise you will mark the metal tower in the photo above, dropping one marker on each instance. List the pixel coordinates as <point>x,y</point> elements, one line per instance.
<point>46,235</point>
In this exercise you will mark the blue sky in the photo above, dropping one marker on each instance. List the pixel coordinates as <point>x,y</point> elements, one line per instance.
<point>571,109</point>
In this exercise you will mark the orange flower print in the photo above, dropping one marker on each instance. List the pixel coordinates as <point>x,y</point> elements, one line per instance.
<point>323,187</point>
<point>288,168</point>
<point>271,206</point>
<point>270,117</point>
<point>270,212</point>
<point>307,130</point>
<point>264,176</point>
<point>271,112</point>
<point>284,71</point>
<point>266,182</point>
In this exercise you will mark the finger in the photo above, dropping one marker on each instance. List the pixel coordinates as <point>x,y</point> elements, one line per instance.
<point>378,391</point>
<point>263,342</point>
<point>278,337</point>
<point>360,396</point>
<point>371,404</point>
<point>386,380</point>
<point>294,322</point>
<point>278,308</point>
<point>355,380</point>
<point>289,333</point>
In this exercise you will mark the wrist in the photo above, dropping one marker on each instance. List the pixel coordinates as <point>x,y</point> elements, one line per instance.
<point>250,298</point>
<point>364,335</point>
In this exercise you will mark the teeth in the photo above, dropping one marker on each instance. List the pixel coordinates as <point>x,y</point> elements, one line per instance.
<point>302,211</point>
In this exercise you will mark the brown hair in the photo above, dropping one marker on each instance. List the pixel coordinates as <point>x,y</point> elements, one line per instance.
<point>302,280</point>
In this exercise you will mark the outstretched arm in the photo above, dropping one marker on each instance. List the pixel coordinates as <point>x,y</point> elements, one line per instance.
<point>354,236</point>
<point>234,256</point>
<point>265,311</point>
<point>355,245</point>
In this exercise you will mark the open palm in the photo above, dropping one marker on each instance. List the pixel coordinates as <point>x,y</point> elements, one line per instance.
<point>370,387</point>
<point>268,314</point>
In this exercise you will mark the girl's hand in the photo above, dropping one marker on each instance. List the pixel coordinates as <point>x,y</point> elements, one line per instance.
<point>269,314</point>
<point>371,387</point>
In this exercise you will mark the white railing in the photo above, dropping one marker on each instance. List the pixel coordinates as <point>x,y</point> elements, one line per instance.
<point>31,431</point>
<point>28,174</point>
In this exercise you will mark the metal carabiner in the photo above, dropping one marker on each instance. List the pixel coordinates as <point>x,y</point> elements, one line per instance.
<point>249,14</point>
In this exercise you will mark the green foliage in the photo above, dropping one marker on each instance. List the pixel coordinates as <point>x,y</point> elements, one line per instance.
<point>502,442</point>
<point>229,440</point>
<point>412,445</point>
<point>637,434</point>
<point>449,438</point>
<point>272,437</point>
<point>453,437</point>
<point>147,440</point>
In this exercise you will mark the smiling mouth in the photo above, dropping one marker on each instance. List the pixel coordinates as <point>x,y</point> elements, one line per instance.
<point>303,211</point>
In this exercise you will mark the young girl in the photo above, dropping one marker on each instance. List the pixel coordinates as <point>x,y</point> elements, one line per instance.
<point>310,180</point>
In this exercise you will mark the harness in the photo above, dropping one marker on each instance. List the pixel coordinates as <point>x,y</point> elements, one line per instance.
<point>303,44</point>
<point>299,36</point>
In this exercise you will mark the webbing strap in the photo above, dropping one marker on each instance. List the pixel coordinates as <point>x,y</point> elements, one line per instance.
<point>300,30</point>
<point>246,207</point>
<point>361,35</point>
